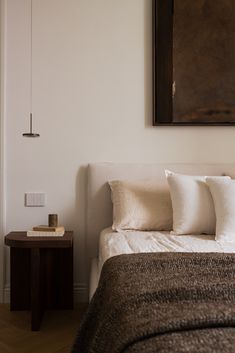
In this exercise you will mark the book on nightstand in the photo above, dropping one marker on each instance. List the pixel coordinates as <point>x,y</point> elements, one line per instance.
<point>46,231</point>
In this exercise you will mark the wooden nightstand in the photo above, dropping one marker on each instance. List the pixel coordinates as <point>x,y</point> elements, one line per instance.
<point>41,273</point>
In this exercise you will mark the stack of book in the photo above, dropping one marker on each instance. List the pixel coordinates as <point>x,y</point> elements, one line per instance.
<point>46,231</point>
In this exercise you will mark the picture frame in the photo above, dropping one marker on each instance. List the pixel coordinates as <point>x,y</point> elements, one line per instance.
<point>186,90</point>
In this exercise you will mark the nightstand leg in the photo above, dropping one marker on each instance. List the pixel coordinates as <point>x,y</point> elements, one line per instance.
<point>36,299</point>
<point>20,279</point>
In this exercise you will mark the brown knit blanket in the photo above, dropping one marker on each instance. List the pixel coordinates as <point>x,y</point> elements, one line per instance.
<point>162,302</point>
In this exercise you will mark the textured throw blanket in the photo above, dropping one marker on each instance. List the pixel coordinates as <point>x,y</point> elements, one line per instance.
<point>162,302</point>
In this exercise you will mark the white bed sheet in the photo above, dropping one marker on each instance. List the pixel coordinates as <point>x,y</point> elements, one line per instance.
<point>129,242</point>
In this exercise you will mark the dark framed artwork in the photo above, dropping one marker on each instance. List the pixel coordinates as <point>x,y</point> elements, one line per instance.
<point>194,62</point>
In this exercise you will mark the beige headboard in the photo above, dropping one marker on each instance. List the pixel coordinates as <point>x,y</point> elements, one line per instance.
<point>99,205</point>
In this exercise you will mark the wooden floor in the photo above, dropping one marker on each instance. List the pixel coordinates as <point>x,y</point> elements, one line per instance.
<point>57,333</point>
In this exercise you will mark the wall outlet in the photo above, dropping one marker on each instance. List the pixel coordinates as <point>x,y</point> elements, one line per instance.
<point>35,199</point>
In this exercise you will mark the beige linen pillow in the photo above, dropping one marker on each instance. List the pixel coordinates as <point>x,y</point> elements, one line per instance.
<point>223,193</point>
<point>140,205</point>
<point>193,207</point>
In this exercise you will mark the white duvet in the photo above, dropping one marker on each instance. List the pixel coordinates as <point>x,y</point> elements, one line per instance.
<point>129,242</point>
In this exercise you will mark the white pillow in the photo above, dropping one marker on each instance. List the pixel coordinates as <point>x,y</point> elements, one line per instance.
<point>223,193</point>
<point>140,205</point>
<point>193,207</point>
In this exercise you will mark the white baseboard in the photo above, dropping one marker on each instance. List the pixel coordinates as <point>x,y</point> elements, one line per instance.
<point>6,295</point>
<point>80,294</point>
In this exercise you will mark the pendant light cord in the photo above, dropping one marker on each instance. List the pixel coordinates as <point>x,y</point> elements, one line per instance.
<point>31,134</point>
<point>31,57</point>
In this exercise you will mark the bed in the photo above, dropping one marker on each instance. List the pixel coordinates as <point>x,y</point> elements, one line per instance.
<point>155,289</point>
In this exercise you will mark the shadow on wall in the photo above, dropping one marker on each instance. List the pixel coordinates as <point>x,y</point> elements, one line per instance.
<point>75,214</point>
<point>81,196</point>
<point>148,71</point>
<point>75,219</point>
<point>80,253</point>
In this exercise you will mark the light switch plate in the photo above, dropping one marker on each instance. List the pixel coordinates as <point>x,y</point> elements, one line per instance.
<point>35,199</point>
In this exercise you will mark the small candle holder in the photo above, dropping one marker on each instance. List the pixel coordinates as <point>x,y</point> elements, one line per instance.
<point>52,220</point>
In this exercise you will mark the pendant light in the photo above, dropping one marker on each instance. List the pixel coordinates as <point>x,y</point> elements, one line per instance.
<point>31,133</point>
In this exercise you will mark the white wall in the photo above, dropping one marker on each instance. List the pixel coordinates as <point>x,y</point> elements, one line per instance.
<point>91,102</point>
<point>2,149</point>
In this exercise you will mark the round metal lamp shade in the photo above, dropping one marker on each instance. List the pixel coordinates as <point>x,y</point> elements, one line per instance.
<point>30,134</point>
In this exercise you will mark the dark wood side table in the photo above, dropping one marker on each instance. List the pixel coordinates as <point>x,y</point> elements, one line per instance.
<point>41,273</point>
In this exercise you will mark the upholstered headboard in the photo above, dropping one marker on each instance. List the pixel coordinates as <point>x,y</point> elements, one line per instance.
<point>99,205</point>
